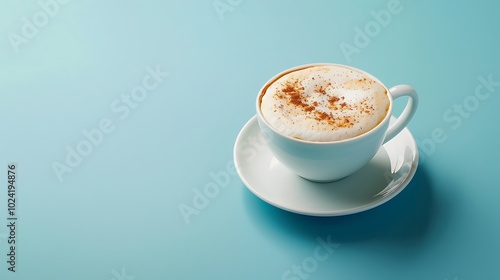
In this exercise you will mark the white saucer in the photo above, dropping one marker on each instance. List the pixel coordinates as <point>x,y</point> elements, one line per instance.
<point>386,175</point>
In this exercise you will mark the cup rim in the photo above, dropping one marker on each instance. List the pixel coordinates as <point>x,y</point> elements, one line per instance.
<point>304,66</point>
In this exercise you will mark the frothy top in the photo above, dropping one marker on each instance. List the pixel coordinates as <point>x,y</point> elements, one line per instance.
<point>324,103</point>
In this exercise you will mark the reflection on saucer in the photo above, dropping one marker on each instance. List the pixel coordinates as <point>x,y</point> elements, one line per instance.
<point>274,163</point>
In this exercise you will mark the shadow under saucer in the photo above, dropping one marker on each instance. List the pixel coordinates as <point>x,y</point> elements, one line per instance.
<point>402,220</point>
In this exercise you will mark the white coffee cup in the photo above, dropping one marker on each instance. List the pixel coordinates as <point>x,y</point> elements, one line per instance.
<point>334,160</point>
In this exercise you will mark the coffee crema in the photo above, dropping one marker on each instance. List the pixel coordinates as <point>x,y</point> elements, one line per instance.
<point>324,103</point>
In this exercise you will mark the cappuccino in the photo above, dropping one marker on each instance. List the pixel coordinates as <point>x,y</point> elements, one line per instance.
<point>324,103</point>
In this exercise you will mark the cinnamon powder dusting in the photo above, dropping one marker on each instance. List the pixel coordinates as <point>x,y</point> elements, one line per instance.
<point>294,93</point>
<point>323,104</point>
<point>320,90</point>
<point>333,99</point>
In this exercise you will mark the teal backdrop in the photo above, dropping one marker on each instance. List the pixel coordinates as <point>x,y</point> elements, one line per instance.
<point>118,115</point>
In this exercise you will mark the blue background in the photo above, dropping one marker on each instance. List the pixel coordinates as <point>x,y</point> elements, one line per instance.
<point>116,214</point>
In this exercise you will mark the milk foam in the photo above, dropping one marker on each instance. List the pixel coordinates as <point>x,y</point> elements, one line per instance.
<point>324,103</point>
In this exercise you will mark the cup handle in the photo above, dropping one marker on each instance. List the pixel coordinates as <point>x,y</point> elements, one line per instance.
<point>408,112</point>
